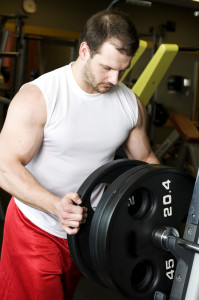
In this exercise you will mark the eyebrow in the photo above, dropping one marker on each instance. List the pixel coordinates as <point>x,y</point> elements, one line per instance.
<point>109,67</point>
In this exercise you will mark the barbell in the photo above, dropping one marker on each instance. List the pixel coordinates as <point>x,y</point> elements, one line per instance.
<point>117,246</point>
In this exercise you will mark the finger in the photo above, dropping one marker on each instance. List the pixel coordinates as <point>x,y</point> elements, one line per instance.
<point>74,224</point>
<point>74,197</point>
<point>71,210</point>
<point>70,230</point>
<point>73,220</point>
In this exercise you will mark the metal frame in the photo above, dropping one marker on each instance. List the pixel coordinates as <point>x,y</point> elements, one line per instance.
<point>150,78</point>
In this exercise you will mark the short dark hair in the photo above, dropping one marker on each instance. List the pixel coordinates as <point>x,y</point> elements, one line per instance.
<point>107,25</point>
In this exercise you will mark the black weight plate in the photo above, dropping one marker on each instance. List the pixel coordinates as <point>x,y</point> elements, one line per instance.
<point>96,224</point>
<point>79,243</point>
<point>128,258</point>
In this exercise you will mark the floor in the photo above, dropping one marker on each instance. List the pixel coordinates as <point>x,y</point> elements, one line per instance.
<point>89,291</point>
<point>86,289</point>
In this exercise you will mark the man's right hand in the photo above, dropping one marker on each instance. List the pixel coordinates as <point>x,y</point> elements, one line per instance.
<point>71,216</point>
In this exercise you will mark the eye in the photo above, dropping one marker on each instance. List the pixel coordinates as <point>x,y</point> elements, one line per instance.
<point>106,68</point>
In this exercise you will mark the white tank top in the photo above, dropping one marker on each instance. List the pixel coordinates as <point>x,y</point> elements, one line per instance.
<point>82,132</point>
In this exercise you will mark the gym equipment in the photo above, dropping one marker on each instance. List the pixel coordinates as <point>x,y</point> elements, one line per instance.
<point>160,114</point>
<point>186,250</point>
<point>17,49</point>
<point>150,78</point>
<point>138,54</point>
<point>117,246</point>
<point>134,2</point>
<point>188,135</point>
<point>80,243</point>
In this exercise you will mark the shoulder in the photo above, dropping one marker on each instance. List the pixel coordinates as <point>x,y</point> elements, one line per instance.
<point>127,91</point>
<point>126,94</point>
<point>29,102</point>
<point>46,89</point>
<point>29,89</point>
<point>129,101</point>
<point>29,93</point>
<point>49,78</point>
<point>142,114</point>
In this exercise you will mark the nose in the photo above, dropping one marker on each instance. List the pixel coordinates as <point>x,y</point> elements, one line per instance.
<point>114,77</point>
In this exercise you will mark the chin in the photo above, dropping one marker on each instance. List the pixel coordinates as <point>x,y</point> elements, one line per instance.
<point>104,90</point>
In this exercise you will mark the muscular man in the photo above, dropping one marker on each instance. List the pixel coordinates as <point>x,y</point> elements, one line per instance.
<point>59,128</point>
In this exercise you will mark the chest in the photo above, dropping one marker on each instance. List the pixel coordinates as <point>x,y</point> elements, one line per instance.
<point>89,126</point>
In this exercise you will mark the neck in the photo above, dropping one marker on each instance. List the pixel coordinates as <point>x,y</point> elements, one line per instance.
<point>77,70</point>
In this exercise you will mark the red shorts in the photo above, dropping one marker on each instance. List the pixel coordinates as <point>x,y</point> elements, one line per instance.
<point>35,265</point>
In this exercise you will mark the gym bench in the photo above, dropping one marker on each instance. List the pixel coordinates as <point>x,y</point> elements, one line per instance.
<point>186,131</point>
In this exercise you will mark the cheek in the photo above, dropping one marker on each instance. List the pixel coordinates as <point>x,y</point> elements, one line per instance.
<point>98,72</point>
<point>103,74</point>
<point>100,75</point>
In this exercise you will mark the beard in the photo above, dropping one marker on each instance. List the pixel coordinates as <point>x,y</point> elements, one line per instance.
<point>90,79</point>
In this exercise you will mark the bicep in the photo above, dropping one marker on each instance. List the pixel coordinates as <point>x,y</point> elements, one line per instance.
<point>137,145</point>
<point>22,132</point>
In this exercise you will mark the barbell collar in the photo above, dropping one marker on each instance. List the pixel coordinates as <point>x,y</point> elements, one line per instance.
<point>161,236</point>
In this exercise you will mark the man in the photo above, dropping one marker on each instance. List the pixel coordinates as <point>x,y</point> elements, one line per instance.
<point>59,128</point>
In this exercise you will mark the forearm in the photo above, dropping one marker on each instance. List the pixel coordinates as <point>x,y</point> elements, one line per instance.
<point>149,158</point>
<point>19,182</point>
<point>152,158</point>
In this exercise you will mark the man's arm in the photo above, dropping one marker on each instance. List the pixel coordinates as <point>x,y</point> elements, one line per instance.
<point>137,145</point>
<point>20,139</point>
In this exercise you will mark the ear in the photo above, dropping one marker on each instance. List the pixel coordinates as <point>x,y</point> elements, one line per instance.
<point>84,51</point>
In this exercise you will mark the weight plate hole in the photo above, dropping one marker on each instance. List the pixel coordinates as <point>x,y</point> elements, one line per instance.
<point>143,276</point>
<point>139,203</point>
